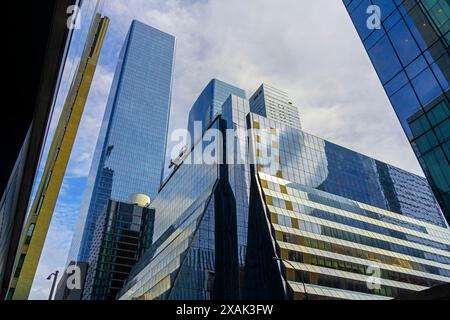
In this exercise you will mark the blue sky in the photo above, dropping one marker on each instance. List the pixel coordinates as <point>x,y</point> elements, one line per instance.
<point>307,48</point>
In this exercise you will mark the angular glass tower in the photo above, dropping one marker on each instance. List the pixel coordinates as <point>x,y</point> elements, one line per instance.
<point>328,214</point>
<point>130,151</point>
<point>410,52</point>
<point>275,104</point>
<point>210,102</point>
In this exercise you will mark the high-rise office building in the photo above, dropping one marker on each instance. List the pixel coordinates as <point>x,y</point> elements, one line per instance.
<point>40,215</point>
<point>313,222</point>
<point>130,151</point>
<point>410,52</point>
<point>116,246</point>
<point>275,104</point>
<point>209,104</point>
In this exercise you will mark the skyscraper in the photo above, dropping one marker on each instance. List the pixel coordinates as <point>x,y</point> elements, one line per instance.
<point>209,104</point>
<point>315,225</point>
<point>116,246</point>
<point>130,151</point>
<point>274,104</point>
<point>410,53</point>
<point>340,224</point>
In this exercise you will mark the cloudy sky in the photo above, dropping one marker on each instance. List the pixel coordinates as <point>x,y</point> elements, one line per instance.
<point>307,48</point>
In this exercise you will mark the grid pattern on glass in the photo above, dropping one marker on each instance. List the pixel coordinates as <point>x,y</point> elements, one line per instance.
<point>410,53</point>
<point>316,163</point>
<point>154,275</point>
<point>295,227</point>
<point>130,150</point>
<point>275,104</point>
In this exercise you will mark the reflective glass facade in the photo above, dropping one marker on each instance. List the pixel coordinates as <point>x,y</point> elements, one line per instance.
<point>410,53</point>
<point>184,239</point>
<point>335,220</point>
<point>209,104</point>
<point>130,150</point>
<point>330,212</point>
<point>311,161</point>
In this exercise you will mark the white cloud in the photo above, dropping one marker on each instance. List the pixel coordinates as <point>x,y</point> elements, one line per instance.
<point>307,48</point>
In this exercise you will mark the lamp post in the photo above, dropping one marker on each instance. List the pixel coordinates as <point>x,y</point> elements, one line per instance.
<point>55,274</point>
<point>295,271</point>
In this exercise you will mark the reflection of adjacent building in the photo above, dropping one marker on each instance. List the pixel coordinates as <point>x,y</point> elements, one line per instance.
<point>132,139</point>
<point>411,56</point>
<point>41,212</point>
<point>330,215</point>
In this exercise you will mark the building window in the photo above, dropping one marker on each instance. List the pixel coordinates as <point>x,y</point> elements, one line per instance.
<point>30,233</point>
<point>19,265</point>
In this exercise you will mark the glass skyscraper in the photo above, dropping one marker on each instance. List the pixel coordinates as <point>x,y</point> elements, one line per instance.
<point>315,225</point>
<point>410,52</point>
<point>209,104</point>
<point>130,151</point>
<point>275,104</point>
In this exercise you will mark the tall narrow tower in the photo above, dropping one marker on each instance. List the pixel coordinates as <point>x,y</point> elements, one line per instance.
<point>130,151</point>
<point>39,218</point>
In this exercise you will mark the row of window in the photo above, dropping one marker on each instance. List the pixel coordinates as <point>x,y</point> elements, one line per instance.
<point>357,238</point>
<point>358,253</point>
<point>343,283</point>
<point>341,265</point>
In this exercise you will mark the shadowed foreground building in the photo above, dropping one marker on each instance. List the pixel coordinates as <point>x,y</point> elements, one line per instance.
<point>313,222</point>
<point>410,53</point>
<point>209,104</point>
<point>44,202</point>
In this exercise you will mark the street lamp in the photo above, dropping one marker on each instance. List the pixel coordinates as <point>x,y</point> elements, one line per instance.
<point>55,274</point>
<point>295,271</point>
